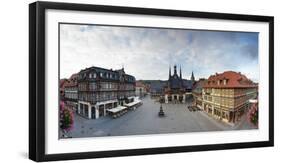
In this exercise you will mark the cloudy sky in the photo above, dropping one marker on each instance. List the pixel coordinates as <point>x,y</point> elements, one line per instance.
<point>146,53</point>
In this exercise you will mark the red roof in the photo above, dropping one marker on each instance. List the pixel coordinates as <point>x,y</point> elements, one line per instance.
<point>139,84</point>
<point>232,80</point>
<point>62,82</point>
<point>74,76</point>
<point>72,81</point>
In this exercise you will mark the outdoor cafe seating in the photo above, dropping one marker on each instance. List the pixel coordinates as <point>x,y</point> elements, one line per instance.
<point>117,111</point>
<point>121,110</point>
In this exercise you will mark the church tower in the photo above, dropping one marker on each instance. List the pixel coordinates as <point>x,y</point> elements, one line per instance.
<point>192,77</point>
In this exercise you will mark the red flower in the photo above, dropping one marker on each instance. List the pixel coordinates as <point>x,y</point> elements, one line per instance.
<point>252,115</point>
<point>66,117</point>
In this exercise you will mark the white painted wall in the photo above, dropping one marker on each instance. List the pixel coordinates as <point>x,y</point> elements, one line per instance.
<point>14,79</point>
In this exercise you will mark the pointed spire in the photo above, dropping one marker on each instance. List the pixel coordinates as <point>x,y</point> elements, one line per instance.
<point>169,71</point>
<point>180,73</point>
<point>192,77</point>
<point>175,69</point>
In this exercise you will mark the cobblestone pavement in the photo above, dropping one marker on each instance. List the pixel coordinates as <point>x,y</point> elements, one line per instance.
<point>145,120</point>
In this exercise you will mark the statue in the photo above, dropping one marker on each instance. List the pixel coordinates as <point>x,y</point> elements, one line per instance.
<point>161,112</point>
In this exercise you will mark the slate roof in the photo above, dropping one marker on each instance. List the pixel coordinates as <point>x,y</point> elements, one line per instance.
<point>175,82</point>
<point>157,86</point>
<point>187,84</point>
<point>107,74</point>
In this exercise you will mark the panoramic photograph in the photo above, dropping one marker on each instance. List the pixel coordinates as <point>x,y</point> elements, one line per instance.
<point>125,81</point>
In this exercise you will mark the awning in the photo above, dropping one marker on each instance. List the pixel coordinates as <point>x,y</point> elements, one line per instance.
<point>117,109</point>
<point>132,103</point>
<point>106,102</point>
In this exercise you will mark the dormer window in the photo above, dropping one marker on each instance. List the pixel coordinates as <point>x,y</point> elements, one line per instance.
<point>95,75</point>
<point>224,82</point>
<point>218,82</point>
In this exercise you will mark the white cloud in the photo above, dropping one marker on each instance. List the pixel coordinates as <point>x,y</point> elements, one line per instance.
<point>146,53</point>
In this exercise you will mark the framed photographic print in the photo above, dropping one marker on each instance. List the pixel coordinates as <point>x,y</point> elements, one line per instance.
<point>110,81</point>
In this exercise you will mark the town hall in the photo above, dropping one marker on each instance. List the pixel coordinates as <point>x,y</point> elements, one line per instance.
<point>178,89</point>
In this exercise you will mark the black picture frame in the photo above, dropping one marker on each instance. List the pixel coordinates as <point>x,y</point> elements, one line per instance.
<point>37,80</point>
